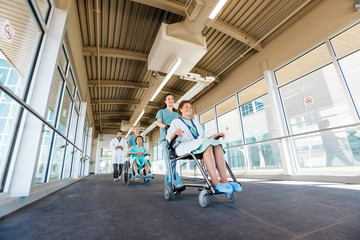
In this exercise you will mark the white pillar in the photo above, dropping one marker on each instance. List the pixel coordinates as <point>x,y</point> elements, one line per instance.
<point>25,159</point>
<point>97,160</point>
<point>287,157</point>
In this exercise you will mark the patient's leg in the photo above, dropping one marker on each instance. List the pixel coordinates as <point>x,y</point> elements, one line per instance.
<point>209,160</point>
<point>147,168</point>
<point>135,167</point>
<point>220,163</point>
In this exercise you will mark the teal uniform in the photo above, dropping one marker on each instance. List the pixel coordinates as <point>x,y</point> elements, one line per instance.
<point>167,117</point>
<point>139,161</point>
<point>132,140</point>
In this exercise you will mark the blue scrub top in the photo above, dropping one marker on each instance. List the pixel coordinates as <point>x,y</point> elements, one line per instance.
<point>137,149</point>
<point>132,140</point>
<point>167,117</point>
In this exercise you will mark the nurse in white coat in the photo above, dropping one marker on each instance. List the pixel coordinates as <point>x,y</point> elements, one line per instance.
<point>118,148</point>
<point>192,139</point>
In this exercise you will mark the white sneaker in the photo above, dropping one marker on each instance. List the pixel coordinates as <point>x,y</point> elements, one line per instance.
<point>119,177</point>
<point>115,180</point>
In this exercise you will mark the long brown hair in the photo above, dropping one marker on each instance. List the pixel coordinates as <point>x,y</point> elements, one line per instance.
<point>165,106</point>
<point>181,105</point>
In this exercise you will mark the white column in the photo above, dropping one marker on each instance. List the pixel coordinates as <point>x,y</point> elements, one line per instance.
<point>97,160</point>
<point>25,160</point>
<point>287,157</point>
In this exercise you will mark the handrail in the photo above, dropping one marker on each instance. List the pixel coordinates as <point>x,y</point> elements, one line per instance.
<point>296,135</point>
<point>32,111</point>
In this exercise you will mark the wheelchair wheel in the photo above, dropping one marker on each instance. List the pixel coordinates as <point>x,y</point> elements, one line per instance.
<point>126,173</point>
<point>168,192</point>
<point>230,197</point>
<point>204,198</point>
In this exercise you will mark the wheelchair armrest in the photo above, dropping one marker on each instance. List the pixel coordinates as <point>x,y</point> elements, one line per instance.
<point>171,144</point>
<point>217,137</point>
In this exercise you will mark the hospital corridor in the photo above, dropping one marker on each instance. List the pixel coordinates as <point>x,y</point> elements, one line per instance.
<point>180,119</point>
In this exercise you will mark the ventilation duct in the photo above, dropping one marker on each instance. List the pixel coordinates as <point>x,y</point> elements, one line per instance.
<point>182,39</point>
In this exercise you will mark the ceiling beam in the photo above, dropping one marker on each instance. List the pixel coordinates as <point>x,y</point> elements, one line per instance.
<point>173,7</point>
<point>124,102</point>
<point>110,124</point>
<point>126,114</point>
<point>114,101</point>
<point>117,83</point>
<point>116,53</point>
<point>126,84</point>
<point>236,33</point>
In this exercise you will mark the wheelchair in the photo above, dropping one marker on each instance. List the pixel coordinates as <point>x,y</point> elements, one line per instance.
<point>207,189</point>
<point>129,173</point>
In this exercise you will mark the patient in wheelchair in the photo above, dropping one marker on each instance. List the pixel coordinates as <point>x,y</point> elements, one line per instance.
<point>139,158</point>
<point>191,138</point>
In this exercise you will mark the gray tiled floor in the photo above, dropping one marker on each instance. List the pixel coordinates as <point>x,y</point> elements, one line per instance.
<point>98,208</point>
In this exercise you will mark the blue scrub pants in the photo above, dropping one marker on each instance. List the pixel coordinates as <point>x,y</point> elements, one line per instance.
<point>166,158</point>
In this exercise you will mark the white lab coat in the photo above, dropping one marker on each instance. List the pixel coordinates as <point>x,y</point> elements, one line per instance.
<point>186,143</point>
<point>118,154</point>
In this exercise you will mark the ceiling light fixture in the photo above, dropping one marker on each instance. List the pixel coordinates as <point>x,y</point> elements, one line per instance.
<point>137,120</point>
<point>217,8</point>
<point>168,76</point>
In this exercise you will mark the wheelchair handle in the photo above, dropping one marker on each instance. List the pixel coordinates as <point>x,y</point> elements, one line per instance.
<point>217,137</point>
<point>172,142</point>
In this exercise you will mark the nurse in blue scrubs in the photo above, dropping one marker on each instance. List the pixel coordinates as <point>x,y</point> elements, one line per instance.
<point>163,118</point>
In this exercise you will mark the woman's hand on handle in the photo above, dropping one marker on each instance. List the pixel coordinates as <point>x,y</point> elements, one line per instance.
<point>178,132</point>
<point>218,134</point>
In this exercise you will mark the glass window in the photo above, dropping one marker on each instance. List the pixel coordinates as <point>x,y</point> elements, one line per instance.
<point>208,115</point>
<point>45,147</point>
<point>229,123</point>
<point>210,128</point>
<point>314,98</point>
<point>21,32</point>
<point>329,152</point>
<point>54,98</point>
<point>68,161</point>
<point>73,126</point>
<point>260,126</point>
<point>226,105</point>
<point>77,101</point>
<point>44,7</point>
<point>351,70</point>
<point>160,151</point>
<point>347,41</point>
<point>255,90</point>
<point>65,113</point>
<point>57,158</point>
<point>70,81</point>
<point>305,64</point>
<point>63,59</point>
<point>155,152</point>
<point>9,111</point>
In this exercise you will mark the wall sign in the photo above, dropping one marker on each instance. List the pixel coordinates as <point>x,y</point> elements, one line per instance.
<point>7,31</point>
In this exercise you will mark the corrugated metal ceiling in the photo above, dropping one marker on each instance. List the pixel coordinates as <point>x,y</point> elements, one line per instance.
<point>128,30</point>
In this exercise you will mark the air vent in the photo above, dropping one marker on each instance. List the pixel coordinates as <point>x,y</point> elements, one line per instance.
<point>194,8</point>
